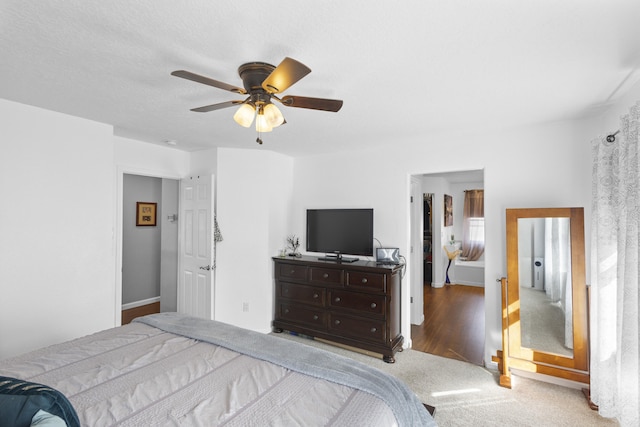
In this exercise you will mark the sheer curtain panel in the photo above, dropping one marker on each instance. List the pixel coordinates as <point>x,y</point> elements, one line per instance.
<point>615,377</point>
<point>473,225</point>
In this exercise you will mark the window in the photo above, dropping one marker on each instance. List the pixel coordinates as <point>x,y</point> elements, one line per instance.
<point>473,225</point>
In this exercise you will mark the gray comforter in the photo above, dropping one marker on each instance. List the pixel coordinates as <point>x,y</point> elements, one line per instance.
<point>174,370</point>
<point>304,359</point>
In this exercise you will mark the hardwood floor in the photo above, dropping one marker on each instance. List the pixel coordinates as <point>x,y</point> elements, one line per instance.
<point>453,324</point>
<point>132,313</point>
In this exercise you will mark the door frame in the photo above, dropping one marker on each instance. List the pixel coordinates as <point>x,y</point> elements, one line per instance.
<point>437,234</point>
<point>120,172</point>
<point>417,272</point>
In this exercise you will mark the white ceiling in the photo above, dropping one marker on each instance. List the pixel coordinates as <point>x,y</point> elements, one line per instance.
<point>404,69</point>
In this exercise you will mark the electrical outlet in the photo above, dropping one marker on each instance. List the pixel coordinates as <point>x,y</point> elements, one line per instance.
<point>245,307</point>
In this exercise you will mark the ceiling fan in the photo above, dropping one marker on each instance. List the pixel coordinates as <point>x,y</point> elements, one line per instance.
<point>262,82</point>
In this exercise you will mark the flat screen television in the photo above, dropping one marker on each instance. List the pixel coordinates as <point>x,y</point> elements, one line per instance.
<point>340,231</point>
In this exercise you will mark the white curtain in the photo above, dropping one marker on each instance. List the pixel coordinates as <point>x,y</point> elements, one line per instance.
<point>557,270</point>
<point>615,227</point>
<point>473,225</point>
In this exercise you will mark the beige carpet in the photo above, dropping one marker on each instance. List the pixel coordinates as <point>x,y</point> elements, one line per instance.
<point>542,323</point>
<point>469,395</point>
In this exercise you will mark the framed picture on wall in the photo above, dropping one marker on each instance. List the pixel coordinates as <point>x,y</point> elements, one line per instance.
<point>146,214</point>
<point>448,210</point>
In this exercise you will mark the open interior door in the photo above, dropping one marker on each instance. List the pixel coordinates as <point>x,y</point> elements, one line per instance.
<point>195,281</point>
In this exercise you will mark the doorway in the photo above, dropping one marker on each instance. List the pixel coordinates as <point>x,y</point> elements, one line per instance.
<point>454,315</point>
<point>427,237</point>
<point>150,251</point>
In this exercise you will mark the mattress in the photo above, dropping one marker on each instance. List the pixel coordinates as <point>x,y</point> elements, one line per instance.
<point>169,370</point>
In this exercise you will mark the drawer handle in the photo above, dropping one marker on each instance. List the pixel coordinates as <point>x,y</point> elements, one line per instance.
<point>325,275</point>
<point>316,296</point>
<point>373,305</point>
<point>286,290</point>
<point>373,329</point>
<point>292,271</point>
<point>337,322</point>
<point>315,317</point>
<point>337,299</point>
<point>364,280</point>
<point>286,310</point>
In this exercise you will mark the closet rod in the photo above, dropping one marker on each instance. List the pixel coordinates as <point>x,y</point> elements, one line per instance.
<point>612,137</point>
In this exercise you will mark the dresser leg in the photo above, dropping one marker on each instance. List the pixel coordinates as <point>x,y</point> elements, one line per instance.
<point>277,330</point>
<point>389,359</point>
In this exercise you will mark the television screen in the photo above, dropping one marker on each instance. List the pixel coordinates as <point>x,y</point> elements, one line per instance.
<point>340,231</point>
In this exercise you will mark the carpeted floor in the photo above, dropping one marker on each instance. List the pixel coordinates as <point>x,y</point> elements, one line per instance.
<point>542,323</point>
<point>469,395</point>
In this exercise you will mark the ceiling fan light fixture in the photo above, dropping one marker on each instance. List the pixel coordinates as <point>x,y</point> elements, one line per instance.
<point>244,115</point>
<point>262,82</point>
<point>262,124</point>
<point>273,115</point>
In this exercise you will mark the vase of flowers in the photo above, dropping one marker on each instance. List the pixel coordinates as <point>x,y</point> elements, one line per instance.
<point>293,243</point>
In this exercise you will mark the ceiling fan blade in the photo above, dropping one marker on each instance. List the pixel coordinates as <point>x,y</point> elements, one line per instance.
<point>312,103</point>
<point>288,72</point>
<point>218,106</point>
<point>207,81</point>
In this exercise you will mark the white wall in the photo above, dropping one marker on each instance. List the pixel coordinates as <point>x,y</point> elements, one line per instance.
<point>539,166</point>
<point>57,222</point>
<point>141,158</point>
<point>253,208</point>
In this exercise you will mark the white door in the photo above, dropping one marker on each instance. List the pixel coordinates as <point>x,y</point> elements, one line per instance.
<point>195,282</point>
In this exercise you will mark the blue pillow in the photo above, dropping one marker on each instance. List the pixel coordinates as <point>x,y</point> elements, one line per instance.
<point>21,400</point>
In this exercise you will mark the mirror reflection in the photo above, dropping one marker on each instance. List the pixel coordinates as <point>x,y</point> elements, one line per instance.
<point>544,266</point>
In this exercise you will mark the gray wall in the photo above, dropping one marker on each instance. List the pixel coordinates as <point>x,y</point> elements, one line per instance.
<point>169,246</point>
<point>140,245</point>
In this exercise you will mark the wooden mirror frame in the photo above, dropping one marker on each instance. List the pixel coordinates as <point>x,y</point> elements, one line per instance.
<point>513,355</point>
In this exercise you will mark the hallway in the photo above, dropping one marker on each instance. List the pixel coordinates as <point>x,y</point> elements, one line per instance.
<point>454,323</point>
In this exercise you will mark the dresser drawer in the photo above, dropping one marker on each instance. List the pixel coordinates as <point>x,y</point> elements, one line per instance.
<point>365,280</point>
<point>316,318</point>
<point>327,276</point>
<point>355,304</point>
<point>355,301</point>
<point>290,271</point>
<point>359,328</point>
<point>305,294</point>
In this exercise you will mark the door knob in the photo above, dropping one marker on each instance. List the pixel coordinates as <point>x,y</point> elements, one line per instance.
<point>205,267</point>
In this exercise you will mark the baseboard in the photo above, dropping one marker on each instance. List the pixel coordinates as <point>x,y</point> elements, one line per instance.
<point>140,303</point>
<point>407,343</point>
<point>548,378</point>
<point>467,283</point>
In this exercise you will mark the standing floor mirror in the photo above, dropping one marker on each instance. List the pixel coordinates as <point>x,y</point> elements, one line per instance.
<point>544,297</point>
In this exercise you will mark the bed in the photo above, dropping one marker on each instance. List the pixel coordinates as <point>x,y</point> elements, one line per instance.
<point>171,369</point>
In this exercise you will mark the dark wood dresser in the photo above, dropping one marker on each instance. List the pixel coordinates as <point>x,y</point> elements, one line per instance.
<point>355,304</point>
